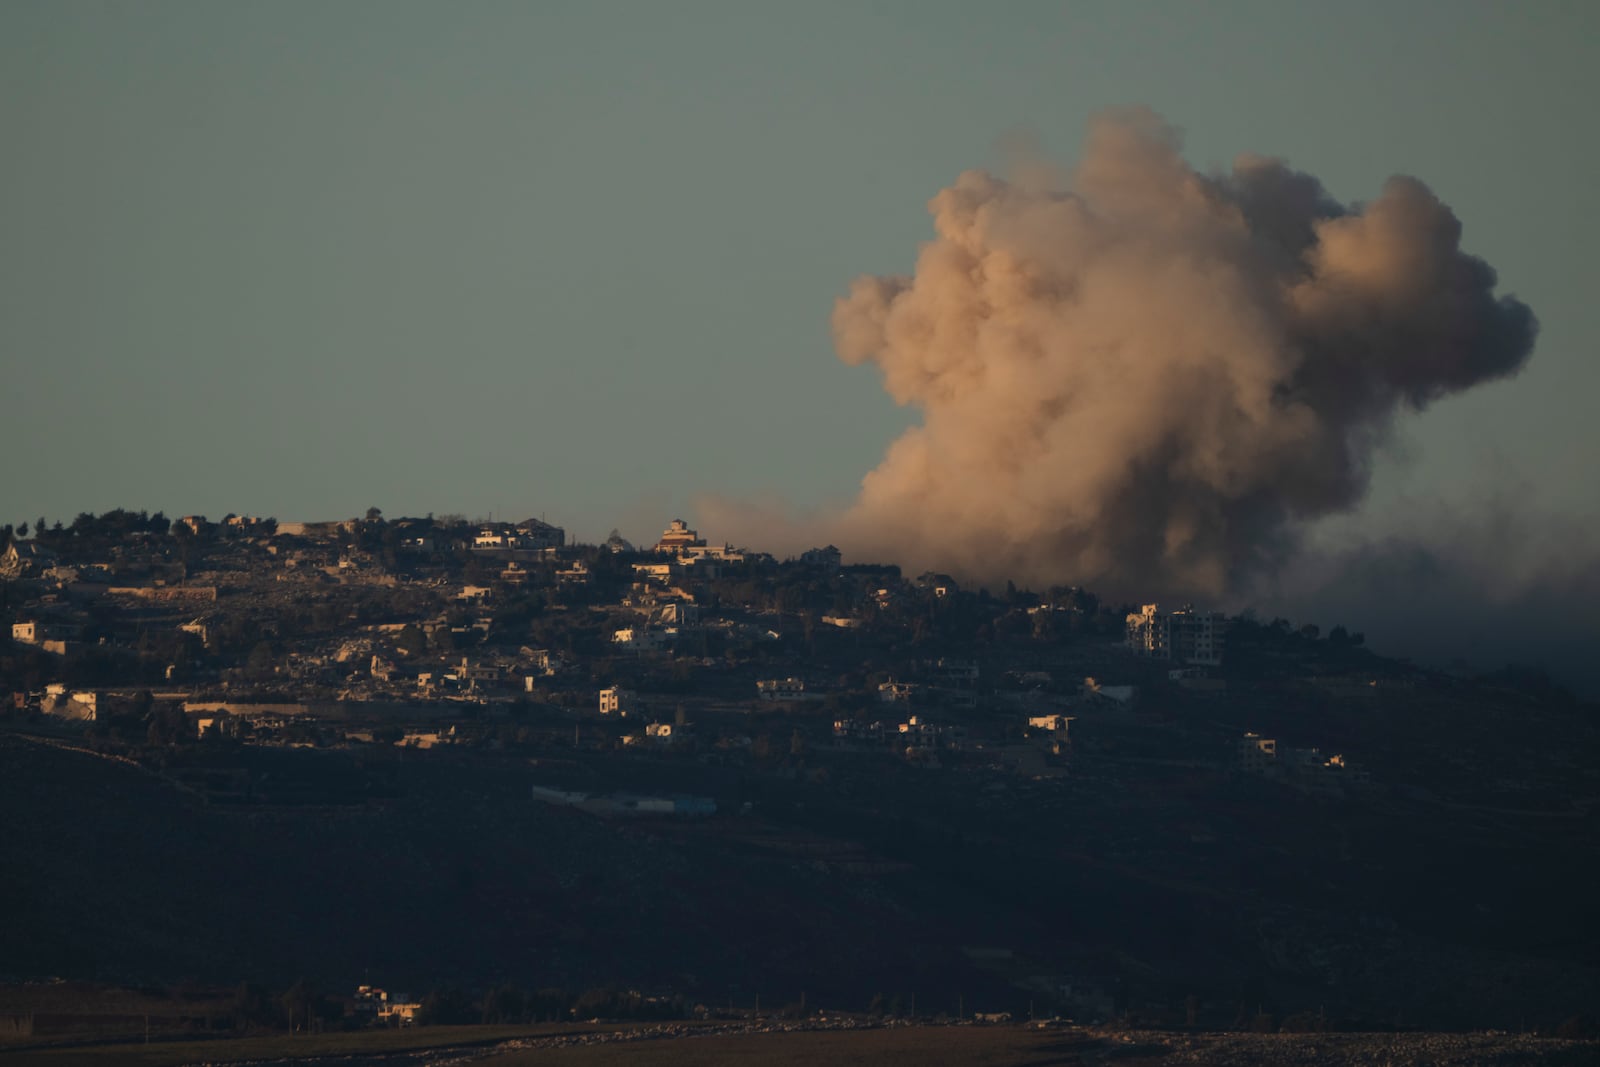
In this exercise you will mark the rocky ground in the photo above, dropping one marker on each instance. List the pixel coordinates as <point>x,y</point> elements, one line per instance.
<point>1353,1050</point>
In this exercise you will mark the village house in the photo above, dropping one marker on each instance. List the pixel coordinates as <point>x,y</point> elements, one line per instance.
<point>857,730</point>
<point>24,558</point>
<point>896,692</point>
<point>1257,754</point>
<point>538,534</point>
<point>676,613</point>
<point>577,574</point>
<point>1053,723</point>
<point>652,572</point>
<point>616,701</point>
<point>918,731</point>
<point>961,673</point>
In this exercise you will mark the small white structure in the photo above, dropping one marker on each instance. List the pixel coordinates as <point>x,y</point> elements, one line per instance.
<point>26,633</point>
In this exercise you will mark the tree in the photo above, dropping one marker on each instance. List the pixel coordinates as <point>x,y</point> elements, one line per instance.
<point>166,722</point>
<point>411,640</point>
<point>22,531</point>
<point>251,1004</point>
<point>298,1002</point>
<point>444,1007</point>
<point>260,663</point>
<point>505,1004</point>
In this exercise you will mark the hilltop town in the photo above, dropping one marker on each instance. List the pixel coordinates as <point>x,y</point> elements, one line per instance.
<point>462,751</point>
<point>419,633</point>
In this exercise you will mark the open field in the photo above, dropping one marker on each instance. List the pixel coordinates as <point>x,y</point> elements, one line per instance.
<point>1017,1046</point>
<point>797,1044</point>
<point>380,1045</point>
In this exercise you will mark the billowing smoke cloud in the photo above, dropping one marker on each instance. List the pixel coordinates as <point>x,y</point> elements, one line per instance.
<point>1471,587</point>
<point>1149,380</point>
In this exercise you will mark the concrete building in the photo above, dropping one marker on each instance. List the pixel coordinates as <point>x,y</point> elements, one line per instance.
<point>781,689</point>
<point>962,673</point>
<point>536,533</point>
<point>678,536</point>
<point>829,558</point>
<point>1257,754</point>
<point>639,641</point>
<point>1185,635</point>
<point>1053,723</point>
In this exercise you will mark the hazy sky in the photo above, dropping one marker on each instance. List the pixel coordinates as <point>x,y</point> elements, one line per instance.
<point>299,259</point>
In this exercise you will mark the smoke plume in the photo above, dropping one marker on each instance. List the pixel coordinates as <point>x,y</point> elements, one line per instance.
<point>1150,379</point>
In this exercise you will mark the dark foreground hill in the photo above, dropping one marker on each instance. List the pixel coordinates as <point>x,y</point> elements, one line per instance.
<point>1140,884</point>
<point>115,874</point>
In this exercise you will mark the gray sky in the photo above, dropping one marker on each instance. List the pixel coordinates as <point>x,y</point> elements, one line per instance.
<point>298,259</point>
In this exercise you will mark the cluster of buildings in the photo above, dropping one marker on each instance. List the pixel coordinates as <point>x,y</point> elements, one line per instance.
<point>273,628</point>
<point>1305,768</point>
